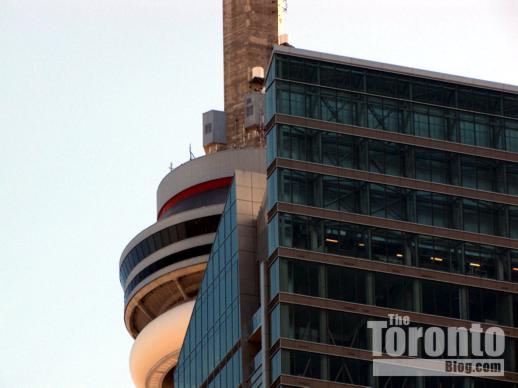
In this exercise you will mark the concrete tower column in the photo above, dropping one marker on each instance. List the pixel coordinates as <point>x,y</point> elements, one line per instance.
<point>250,29</point>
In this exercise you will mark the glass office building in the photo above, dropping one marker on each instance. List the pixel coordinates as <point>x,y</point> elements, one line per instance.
<point>215,325</point>
<point>219,346</point>
<point>386,190</point>
<point>390,190</point>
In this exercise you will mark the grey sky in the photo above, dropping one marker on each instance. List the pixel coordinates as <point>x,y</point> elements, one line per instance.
<point>98,97</point>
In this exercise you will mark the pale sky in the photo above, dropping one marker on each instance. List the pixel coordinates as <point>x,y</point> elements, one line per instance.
<point>97,97</point>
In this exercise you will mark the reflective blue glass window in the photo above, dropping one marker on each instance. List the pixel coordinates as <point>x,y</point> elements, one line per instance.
<point>273,234</point>
<point>275,366</point>
<point>272,197</point>
<point>274,279</point>
<point>271,146</point>
<point>275,325</point>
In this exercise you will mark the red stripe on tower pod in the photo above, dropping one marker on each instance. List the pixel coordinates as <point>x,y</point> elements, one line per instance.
<point>193,190</point>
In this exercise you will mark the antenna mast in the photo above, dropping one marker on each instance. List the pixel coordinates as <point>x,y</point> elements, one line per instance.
<point>282,12</point>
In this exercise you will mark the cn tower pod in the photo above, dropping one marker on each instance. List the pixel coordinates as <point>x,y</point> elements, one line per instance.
<point>162,267</point>
<point>157,348</point>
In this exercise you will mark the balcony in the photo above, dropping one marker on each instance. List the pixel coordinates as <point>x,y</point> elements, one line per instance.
<point>255,326</point>
<point>256,371</point>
